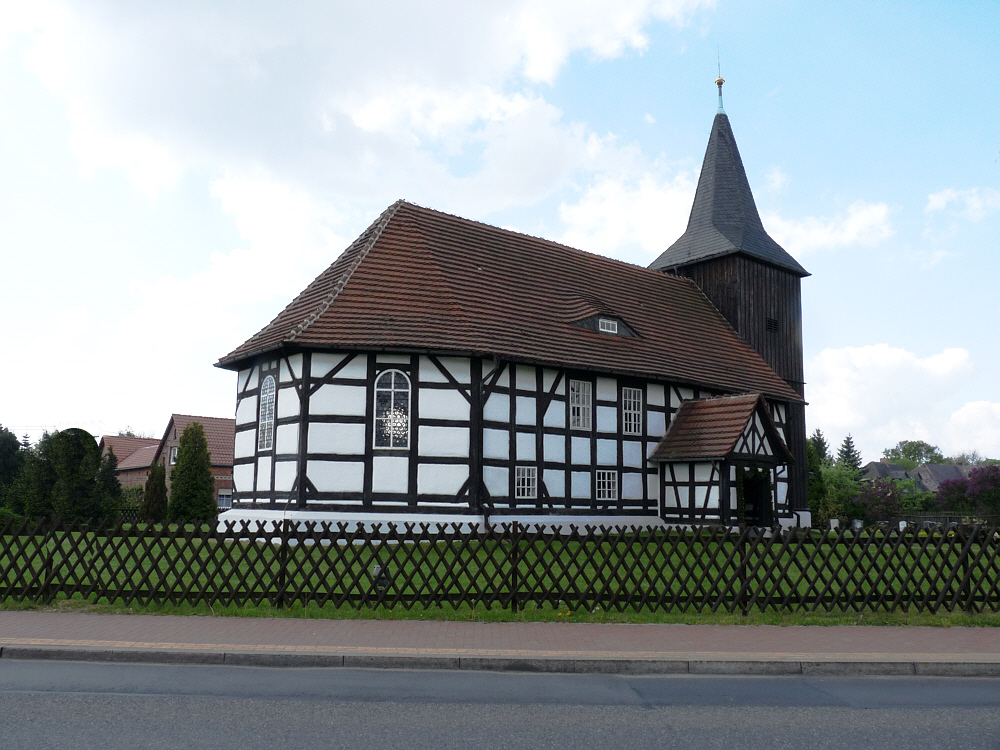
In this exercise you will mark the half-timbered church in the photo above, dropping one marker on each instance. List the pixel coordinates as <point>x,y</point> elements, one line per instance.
<point>448,368</point>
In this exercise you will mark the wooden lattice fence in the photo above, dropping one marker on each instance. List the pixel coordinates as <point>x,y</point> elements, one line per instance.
<point>674,569</point>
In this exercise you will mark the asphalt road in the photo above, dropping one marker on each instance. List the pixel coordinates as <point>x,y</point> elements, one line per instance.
<point>109,706</point>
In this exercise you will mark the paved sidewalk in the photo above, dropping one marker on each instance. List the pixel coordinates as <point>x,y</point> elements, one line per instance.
<point>559,647</point>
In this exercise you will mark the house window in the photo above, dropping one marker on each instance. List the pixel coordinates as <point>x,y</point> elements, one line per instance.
<point>225,500</point>
<point>607,484</point>
<point>632,411</point>
<point>580,394</point>
<point>173,455</point>
<point>607,325</point>
<point>392,410</point>
<point>525,482</point>
<point>265,431</point>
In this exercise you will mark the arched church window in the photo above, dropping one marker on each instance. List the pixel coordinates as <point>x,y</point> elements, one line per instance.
<point>392,410</point>
<point>265,427</point>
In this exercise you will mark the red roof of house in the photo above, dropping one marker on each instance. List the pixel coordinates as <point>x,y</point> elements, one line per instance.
<point>140,459</point>
<point>220,434</point>
<point>711,427</point>
<point>422,280</point>
<point>124,445</point>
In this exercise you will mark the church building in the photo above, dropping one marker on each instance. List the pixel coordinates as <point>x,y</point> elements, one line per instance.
<point>452,369</point>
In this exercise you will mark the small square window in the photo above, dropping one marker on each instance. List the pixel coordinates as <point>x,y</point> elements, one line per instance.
<point>607,485</point>
<point>607,325</point>
<point>580,396</point>
<point>525,482</point>
<point>225,500</point>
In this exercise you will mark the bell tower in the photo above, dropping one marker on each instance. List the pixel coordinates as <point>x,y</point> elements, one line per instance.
<point>748,276</point>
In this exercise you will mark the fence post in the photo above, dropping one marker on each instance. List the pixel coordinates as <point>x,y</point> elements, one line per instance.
<point>281,578</point>
<point>515,553</point>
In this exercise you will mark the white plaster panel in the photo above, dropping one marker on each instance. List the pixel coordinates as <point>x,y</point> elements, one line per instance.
<point>356,368</point>
<point>526,410</point>
<point>632,486</point>
<point>607,389</point>
<point>581,450</point>
<point>702,472</point>
<point>654,394</point>
<point>284,475</point>
<point>288,402</point>
<point>390,474</point>
<point>295,360</point>
<point>243,477</point>
<point>632,453</point>
<point>503,381</point>
<point>525,446</point>
<point>429,373</point>
<point>681,472</point>
<point>580,485</point>
<point>263,473</point>
<point>392,359</point>
<point>337,476</point>
<point>607,452</point>
<point>340,439</point>
<point>497,408</point>
<point>781,488</point>
<point>656,423</point>
<point>779,412</point>
<point>677,395</point>
<point>241,380</point>
<point>555,414</point>
<point>766,444</point>
<point>555,482</point>
<point>554,447</point>
<point>526,378</point>
<point>549,377</point>
<point>682,496</point>
<point>443,404</point>
<point>712,497</point>
<point>286,439</point>
<point>347,400</point>
<point>781,433</point>
<point>444,441</point>
<point>607,419</point>
<point>653,487</point>
<point>246,444</point>
<point>323,362</point>
<point>254,377</point>
<point>459,368</point>
<point>496,444</point>
<point>441,479</point>
<point>246,410</point>
<point>495,478</point>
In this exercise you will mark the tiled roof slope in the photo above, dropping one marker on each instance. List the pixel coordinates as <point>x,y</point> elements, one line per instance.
<point>140,459</point>
<point>124,445</point>
<point>706,428</point>
<point>724,218</point>
<point>220,434</point>
<point>419,279</point>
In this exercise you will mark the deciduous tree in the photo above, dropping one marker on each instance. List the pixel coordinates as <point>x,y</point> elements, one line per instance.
<point>911,453</point>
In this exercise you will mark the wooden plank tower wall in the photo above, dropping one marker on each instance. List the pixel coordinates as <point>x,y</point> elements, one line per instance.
<point>748,276</point>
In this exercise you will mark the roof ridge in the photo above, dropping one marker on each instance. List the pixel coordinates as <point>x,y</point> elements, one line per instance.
<point>339,286</point>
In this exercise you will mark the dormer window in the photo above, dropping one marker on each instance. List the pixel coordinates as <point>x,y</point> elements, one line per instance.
<point>608,325</point>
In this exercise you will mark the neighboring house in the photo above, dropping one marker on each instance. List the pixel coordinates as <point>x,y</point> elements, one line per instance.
<point>883,470</point>
<point>219,433</point>
<point>446,367</point>
<point>134,470</point>
<point>930,476</point>
<point>124,445</point>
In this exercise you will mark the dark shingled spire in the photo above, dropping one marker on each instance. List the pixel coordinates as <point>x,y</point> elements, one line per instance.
<point>724,218</point>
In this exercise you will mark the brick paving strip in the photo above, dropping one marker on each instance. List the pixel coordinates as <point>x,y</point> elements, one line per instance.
<point>553,647</point>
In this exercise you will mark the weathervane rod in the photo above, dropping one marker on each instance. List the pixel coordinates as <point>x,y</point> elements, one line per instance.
<point>719,81</point>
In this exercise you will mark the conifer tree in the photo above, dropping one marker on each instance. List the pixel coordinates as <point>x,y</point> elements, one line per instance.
<point>848,456</point>
<point>108,489</point>
<point>819,444</point>
<point>192,486</point>
<point>154,498</point>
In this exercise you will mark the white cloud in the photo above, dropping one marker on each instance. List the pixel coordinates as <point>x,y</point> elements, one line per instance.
<point>882,394</point>
<point>976,426</point>
<point>631,219</point>
<point>974,204</point>
<point>862,224</point>
<point>776,180</point>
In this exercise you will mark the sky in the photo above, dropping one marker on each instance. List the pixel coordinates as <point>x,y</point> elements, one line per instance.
<point>172,174</point>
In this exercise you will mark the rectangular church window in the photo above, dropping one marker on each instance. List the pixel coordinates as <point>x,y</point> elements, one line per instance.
<point>525,482</point>
<point>632,411</point>
<point>580,408</point>
<point>607,484</point>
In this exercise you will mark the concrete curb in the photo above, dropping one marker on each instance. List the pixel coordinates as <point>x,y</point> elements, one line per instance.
<point>507,664</point>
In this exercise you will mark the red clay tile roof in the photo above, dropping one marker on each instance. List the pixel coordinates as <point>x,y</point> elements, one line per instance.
<point>124,446</point>
<point>140,459</point>
<point>421,280</point>
<point>710,428</point>
<point>220,433</point>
